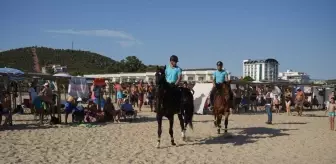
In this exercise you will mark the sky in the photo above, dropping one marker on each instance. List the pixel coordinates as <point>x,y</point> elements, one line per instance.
<point>300,34</point>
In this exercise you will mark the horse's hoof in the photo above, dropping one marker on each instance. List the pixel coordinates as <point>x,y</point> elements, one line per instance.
<point>215,123</point>
<point>158,145</point>
<point>225,131</point>
<point>173,143</point>
<point>183,134</point>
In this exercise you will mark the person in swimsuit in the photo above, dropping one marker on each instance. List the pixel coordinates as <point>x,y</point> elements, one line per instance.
<point>299,99</point>
<point>288,97</point>
<point>332,109</point>
<point>140,95</point>
<point>119,94</point>
<point>150,97</point>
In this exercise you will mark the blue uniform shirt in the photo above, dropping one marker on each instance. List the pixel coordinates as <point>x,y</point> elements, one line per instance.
<point>172,73</point>
<point>219,76</point>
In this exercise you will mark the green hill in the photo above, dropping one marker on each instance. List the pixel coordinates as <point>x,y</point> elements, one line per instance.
<point>77,61</point>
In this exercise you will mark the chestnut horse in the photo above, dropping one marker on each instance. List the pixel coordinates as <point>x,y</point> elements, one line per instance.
<point>171,100</point>
<point>222,104</point>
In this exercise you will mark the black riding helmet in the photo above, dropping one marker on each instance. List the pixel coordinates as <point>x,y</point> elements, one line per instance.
<point>174,58</point>
<point>219,63</point>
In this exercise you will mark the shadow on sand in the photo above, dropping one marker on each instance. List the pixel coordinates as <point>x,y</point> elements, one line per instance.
<point>24,127</point>
<point>290,123</point>
<point>313,115</point>
<point>246,135</point>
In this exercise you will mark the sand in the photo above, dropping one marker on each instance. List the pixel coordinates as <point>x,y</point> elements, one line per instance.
<point>295,140</point>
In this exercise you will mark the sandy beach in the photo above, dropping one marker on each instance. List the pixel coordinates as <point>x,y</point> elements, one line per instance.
<point>291,139</point>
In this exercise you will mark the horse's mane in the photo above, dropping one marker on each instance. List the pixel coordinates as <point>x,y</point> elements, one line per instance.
<point>226,87</point>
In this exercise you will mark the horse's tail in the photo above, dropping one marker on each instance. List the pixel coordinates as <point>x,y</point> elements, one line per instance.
<point>191,124</point>
<point>191,115</point>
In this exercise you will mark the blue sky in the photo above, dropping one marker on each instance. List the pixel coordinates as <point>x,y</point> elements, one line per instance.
<point>300,34</point>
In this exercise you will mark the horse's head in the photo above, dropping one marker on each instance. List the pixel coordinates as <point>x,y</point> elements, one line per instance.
<point>160,77</point>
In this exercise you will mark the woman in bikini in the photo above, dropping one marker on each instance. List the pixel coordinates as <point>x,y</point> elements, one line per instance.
<point>288,96</point>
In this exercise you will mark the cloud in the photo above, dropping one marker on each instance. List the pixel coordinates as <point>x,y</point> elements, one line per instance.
<point>128,43</point>
<point>127,40</point>
<point>100,33</point>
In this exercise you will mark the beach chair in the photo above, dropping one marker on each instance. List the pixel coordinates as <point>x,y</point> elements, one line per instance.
<point>129,115</point>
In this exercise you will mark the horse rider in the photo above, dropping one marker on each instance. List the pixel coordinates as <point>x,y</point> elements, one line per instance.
<point>173,72</point>
<point>173,75</point>
<point>219,77</point>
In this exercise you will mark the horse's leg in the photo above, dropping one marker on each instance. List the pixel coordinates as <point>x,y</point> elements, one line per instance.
<point>226,122</point>
<point>171,132</point>
<point>218,122</point>
<point>183,127</point>
<point>215,119</point>
<point>159,132</point>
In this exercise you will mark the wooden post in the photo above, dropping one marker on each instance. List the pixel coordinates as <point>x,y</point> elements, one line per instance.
<point>64,91</point>
<point>20,93</point>
<point>10,89</point>
<point>58,100</point>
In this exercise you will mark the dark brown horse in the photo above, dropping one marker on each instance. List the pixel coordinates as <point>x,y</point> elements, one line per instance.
<point>171,100</point>
<point>222,104</point>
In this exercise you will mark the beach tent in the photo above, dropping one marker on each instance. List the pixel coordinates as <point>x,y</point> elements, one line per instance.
<point>78,87</point>
<point>202,91</point>
<point>13,74</point>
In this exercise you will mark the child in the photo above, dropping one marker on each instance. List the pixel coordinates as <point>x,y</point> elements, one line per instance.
<point>78,113</point>
<point>37,102</point>
<point>69,107</point>
<point>332,109</point>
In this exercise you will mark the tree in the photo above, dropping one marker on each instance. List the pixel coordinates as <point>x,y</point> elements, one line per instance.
<point>77,61</point>
<point>132,64</point>
<point>248,78</point>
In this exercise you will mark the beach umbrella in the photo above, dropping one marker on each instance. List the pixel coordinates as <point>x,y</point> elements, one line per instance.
<point>276,90</point>
<point>13,74</point>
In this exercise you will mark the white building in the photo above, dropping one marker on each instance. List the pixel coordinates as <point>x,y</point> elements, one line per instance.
<point>194,75</point>
<point>55,68</point>
<point>293,76</point>
<point>261,70</point>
